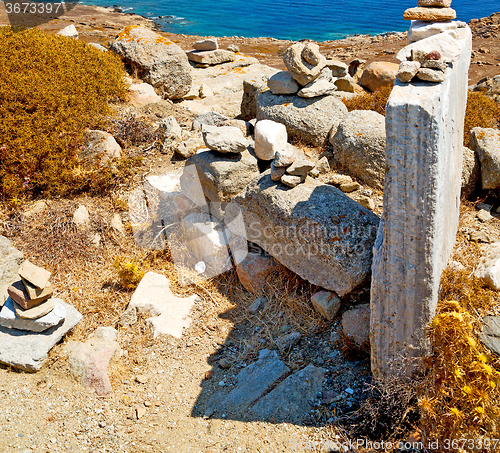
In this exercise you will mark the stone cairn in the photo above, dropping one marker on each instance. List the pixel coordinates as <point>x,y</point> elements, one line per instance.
<point>31,306</point>
<point>207,53</point>
<point>422,65</point>
<point>309,74</point>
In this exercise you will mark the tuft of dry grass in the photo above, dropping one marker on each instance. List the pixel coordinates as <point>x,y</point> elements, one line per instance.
<point>481,111</point>
<point>370,101</point>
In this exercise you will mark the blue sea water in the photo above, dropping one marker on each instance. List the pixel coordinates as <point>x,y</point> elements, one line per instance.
<point>319,20</point>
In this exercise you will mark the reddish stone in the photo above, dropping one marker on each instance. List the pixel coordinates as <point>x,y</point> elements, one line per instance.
<point>434,55</point>
<point>96,372</point>
<point>254,270</point>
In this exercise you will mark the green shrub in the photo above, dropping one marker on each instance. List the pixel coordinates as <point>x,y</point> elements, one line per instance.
<point>52,88</point>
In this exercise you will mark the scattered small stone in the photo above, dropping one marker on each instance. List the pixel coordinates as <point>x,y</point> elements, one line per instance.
<point>326,303</point>
<point>486,207</point>
<point>292,181</point>
<point>356,324</point>
<point>349,390</point>
<point>287,156</point>
<point>269,138</point>
<point>277,172</point>
<point>283,83</point>
<point>258,305</point>
<point>488,269</point>
<point>225,363</point>
<point>490,335</point>
<point>367,202</point>
<point>170,133</point>
<point>142,379</point>
<point>484,216</point>
<point>233,48</point>
<point>10,320</point>
<point>430,14</point>
<point>207,44</point>
<point>117,225</point>
<point>407,70</point>
<point>300,168</point>
<point>140,412</point>
<point>224,139</point>
<point>205,91</point>
<point>349,187</point>
<point>438,65</point>
<point>434,55</point>
<point>431,75</point>
<point>338,180</point>
<point>480,236</point>
<point>70,32</point>
<point>211,57</point>
<point>81,218</point>
<point>35,312</point>
<point>288,341</point>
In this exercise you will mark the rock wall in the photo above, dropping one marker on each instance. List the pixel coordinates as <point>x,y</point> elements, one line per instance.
<point>424,125</point>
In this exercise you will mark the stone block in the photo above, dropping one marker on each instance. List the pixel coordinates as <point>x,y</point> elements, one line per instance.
<point>424,126</point>
<point>34,274</point>
<point>326,303</point>
<point>10,320</point>
<point>28,350</point>
<point>269,138</point>
<point>290,400</point>
<point>485,142</point>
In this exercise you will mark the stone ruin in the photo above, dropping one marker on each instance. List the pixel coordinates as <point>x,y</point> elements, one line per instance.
<point>424,125</point>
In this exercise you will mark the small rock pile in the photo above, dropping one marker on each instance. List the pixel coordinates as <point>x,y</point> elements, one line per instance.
<point>289,165</point>
<point>431,11</point>
<point>207,53</point>
<point>426,66</point>
<point>310,74</point>
<point>30,305</point>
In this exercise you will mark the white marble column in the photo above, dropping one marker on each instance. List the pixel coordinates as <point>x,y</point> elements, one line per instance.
<point>424,125</point>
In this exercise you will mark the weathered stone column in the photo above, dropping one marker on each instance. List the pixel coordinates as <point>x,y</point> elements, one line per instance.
<point>424,125</point>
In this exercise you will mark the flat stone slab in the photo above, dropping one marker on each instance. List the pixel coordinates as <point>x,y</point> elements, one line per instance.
<point>211,56</point>
<point>490,335</point>
<point>10,319</point>
<point>10,260</point>
<point>170,314</point>
<point>253,382</point>
<point>34,274</point>
<point>291,401</point>
<point>28,350</point>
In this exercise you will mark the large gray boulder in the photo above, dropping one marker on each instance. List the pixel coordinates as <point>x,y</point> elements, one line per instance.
<point>222,176</point>
<point>313,229</point>
<point>359,146</point>
<point>485,142</point>
<point>10,261</point>
<point>309,120</point>
<point>157,60</point>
